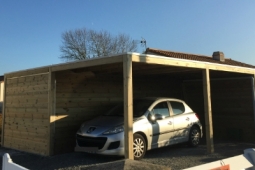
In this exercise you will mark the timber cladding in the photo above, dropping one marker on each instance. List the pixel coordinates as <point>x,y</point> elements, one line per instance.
<point>232,107</point>
<point>26,122</point>
<point>82,96</point>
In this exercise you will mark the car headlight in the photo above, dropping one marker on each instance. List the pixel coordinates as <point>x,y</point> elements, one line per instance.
<point>114,130</point>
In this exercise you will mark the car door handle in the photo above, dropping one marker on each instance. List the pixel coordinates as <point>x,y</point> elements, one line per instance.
<point>187,118</point>
<point>170,123</point>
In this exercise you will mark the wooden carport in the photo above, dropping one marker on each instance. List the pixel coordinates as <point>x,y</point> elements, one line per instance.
<point>35,98</point>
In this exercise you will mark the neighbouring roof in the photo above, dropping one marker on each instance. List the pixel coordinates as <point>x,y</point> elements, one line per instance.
<point>1,78</point>
<point>195,57</point>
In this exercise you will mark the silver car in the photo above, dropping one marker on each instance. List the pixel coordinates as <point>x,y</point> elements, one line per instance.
<point>158,122</point>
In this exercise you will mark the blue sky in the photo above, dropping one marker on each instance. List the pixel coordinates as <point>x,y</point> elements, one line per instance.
<point>30,30</point>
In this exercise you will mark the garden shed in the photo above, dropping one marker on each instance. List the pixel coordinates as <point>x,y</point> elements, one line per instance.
<point>44,107</point>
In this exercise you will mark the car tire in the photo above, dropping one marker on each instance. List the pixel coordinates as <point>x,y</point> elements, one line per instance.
<point>139,146</point>
<point>194,136</point>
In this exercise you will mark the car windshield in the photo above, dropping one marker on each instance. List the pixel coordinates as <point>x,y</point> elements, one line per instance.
<point>139,108</point>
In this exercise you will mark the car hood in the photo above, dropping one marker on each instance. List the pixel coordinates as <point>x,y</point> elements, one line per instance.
<point>100,124</point>
<point>106,121</point>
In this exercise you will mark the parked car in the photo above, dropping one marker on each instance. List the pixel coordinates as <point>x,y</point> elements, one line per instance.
<point>157,122</point>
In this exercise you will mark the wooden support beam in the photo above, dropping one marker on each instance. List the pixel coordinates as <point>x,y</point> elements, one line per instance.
<point>51,109</point>
<point>29,72</point>
<point>208,111</point>
<point>253,94</point>
<point>88,63</point>
<point>128,106</point>
<point>3,114</point>
<point>168,61</point>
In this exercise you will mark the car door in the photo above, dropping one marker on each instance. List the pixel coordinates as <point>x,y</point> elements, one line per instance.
<point>181,121</point>
<point>163,129</point>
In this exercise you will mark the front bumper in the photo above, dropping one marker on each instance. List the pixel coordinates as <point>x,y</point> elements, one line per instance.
<point>103,144</point>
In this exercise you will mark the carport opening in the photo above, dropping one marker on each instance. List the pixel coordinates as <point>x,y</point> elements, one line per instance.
<point>83,94</point>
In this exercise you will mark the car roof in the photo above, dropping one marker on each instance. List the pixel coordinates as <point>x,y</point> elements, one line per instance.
<point>159,98</point>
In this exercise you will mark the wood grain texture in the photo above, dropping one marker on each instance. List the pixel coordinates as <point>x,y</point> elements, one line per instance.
<point>26,121</point>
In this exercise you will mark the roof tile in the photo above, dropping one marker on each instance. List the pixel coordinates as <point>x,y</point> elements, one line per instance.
<point>195,57</point>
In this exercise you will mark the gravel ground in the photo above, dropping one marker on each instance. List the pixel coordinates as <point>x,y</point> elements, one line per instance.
<point>177,157</point>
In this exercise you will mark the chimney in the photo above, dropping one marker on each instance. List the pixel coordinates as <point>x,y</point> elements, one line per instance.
<point>219,56</point>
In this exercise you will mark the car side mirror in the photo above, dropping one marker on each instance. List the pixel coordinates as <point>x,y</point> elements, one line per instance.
<point>155,117</point>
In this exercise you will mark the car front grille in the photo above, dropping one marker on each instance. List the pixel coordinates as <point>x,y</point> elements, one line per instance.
<point>91,141</point>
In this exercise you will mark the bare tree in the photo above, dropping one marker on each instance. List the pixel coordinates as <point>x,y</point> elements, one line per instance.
<point>82,44</point>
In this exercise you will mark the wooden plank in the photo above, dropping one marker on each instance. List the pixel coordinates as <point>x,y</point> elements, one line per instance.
<point>27,115</point>
<point>27,128</point>
<point>51,112</point>
<point>27,135</point>
<point>26,122</point>
<point>29,72</point>
<point>90,85</point>
<point>32,93</point>
<point>128,106</point>
<point>149,59</point>
<point>43,131</point>
<point>4,112</point>
<point>25,100</point>
<point>91,99</point>
<point>69,95</point>
<point>26,89</point>
<point>88,63</point>
<point>68,104</point>
<point>184,93</point>
<point>253,95</point>
<point>25,142</point>
<point>29,80</point>
<point>70,124</point>
<point>26,110</point>
<point>208,111</point>
<point>26,105</point>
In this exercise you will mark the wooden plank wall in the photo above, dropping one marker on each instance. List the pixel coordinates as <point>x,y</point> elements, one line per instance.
<point>26,114</point>
<point>82,96</point>
<point>157,86</point>
<point>232,107</point>
<point>233,115</point>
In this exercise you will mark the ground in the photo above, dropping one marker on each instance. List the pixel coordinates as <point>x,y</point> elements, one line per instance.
<point>176,157</point>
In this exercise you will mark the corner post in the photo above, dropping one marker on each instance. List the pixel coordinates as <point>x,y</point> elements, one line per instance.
<point>4,110</point>
<point>253,93</point>
<point>128,105</point>
<point>208,111</point>
<point>51,109</point>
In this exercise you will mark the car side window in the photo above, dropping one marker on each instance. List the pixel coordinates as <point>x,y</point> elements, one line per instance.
<point>177,107</point>
<point>162,109</point>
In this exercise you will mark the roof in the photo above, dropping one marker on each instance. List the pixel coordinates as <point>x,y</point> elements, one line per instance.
<point>195,57</point>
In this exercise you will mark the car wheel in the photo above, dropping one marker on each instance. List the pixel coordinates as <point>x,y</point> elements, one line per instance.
<point>194,136</point>
<point>139,146</point>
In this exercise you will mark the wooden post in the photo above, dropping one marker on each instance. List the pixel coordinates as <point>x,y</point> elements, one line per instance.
<point>253,94</point>
<point>208,111</point>
<point>128,106</point>
<point>51,109</point>
<point>3,109</point>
